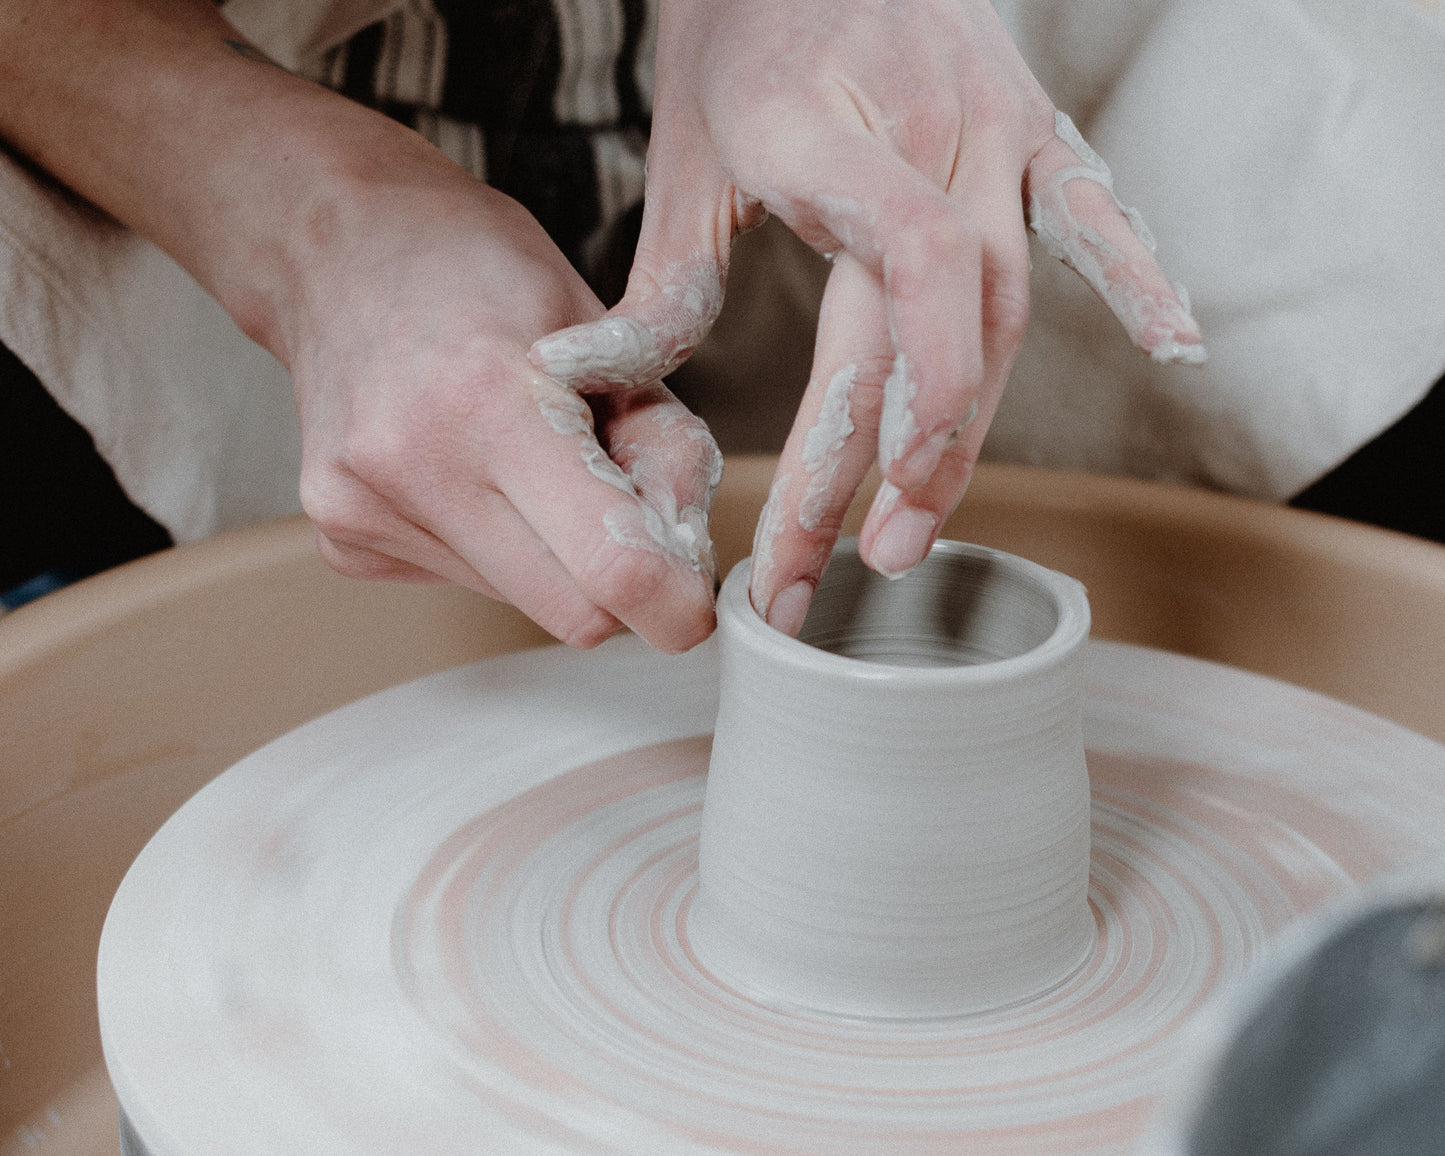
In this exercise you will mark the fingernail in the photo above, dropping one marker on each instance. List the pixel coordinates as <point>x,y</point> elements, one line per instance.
<point>903,541</point>
<point>789,608</point>
<point>1175,352</point>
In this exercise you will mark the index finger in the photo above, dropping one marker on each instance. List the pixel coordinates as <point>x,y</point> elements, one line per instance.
<point>640,557</point>
<point>927,253</point>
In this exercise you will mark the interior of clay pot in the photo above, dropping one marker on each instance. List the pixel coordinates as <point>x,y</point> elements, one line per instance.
<point>956,608</point>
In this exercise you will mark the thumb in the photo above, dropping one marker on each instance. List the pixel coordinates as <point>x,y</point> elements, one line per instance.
<point>674,291</point>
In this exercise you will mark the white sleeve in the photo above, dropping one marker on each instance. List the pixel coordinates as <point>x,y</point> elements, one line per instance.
<point>1290,157</point>
<point>197,421</point>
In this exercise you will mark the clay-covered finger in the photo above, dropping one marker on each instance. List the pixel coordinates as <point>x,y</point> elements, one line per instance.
<point>643,564</point>
<point>985,185</point>
<point>1074,212</point>
<point>675,287</point>
<point>666,313</point>
<point>901,526</point>
<point>670,456</point>
<point>927,253</point>
<point>830,447</point>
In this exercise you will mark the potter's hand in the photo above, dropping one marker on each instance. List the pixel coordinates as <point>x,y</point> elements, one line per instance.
<point>432,447</point>
<point>403,296</point>
<point>909,140</point>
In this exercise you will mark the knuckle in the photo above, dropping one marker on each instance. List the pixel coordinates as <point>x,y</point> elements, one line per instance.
<point>1008,309</point>
<point>349,562</point>
<point>941,232</point>
<point>873,370</point>
<point>587,629</point>
<point>869,378</point>
<point>1020,103</point>
<point>378,453</point>
<point>622,580</point>
<point>347,515</point>
<point>936,236</point>
<point>1013,108</point>
<point>330,502</point>
<point>992,107</point>
<point>398,436</point>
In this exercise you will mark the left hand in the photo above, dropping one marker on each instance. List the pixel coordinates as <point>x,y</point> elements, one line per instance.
<point>904,140</point>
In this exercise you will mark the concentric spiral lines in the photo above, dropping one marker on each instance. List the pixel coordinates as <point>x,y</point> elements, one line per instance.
<point>511,972</point>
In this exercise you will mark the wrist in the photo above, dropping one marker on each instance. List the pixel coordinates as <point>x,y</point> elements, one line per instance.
<point>254,180</point>
<point>373,215</point>
<point>311,204</point>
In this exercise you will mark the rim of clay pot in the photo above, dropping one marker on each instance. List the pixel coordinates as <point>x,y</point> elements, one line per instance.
<point>1067,596</point>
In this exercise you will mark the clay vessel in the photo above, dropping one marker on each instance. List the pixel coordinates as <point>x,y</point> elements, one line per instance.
<point>897,813</point>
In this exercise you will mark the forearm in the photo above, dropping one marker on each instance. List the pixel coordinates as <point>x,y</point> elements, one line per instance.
<point>157,112</point>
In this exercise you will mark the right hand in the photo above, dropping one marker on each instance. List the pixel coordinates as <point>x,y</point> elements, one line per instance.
<point>432,449</point>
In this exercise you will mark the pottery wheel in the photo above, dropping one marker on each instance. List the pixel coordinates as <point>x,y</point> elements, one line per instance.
<point>451,918</point>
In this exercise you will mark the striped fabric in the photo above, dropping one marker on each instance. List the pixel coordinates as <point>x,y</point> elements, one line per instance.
<point>546,100</point>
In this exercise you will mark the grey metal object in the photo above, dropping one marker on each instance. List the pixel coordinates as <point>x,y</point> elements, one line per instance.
<point>130,1143</point>
<point>1344,1054</point>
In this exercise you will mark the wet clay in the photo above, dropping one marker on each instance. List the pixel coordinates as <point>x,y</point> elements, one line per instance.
<point>1153,323</point>
<point>643,345</point>
<point>897,811</point>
